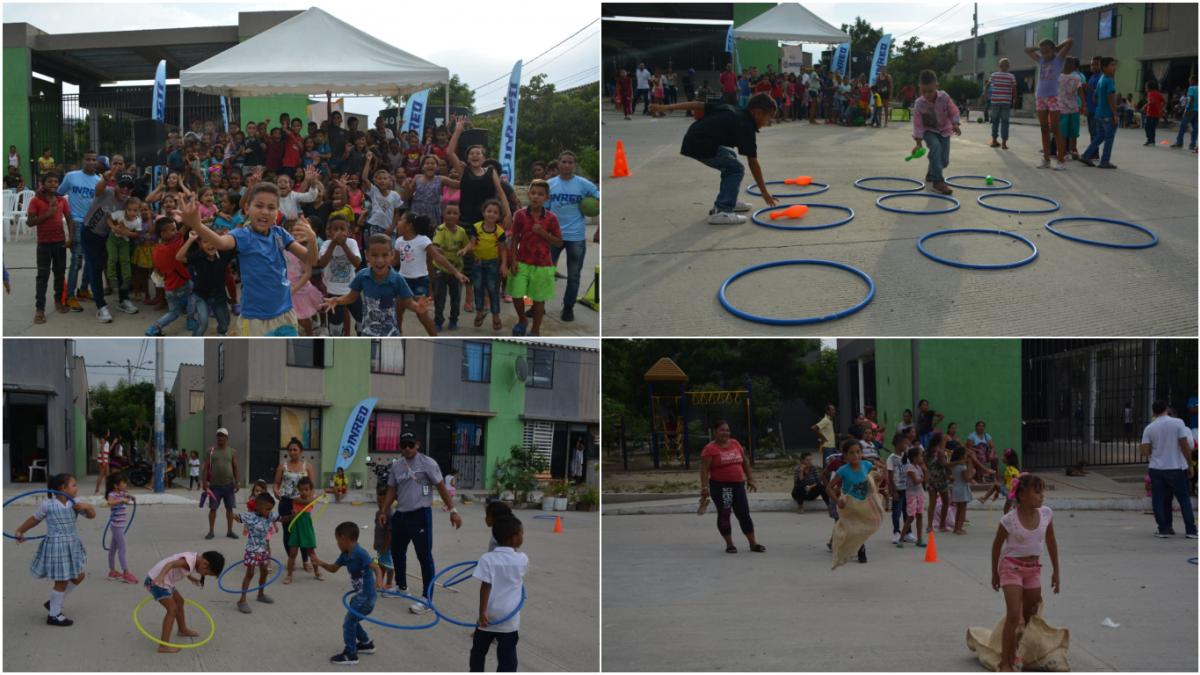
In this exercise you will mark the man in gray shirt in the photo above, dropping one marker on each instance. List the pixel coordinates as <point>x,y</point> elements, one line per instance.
<point>411,482</point>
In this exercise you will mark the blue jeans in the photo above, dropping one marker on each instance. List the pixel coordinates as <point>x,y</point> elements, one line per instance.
<point>1091,121</point>
<point>485,277</point>
<point>900,504</point>
<point>178,304</point>
<point>78,263</point>
<point>220,309</point>
<point>575,253</point>
<point>1151,126</point>
<point>732,172</point>
<point>1188,119</point>
<point>417,527</point>
<point>93,253</point>
<point>1000,115</point>
<point>353,634</point>
<point>939,154</point>
<point>1165,483</point>
<point>1106,133</point>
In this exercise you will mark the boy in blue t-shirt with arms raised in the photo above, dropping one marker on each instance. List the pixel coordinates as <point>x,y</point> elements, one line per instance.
<point>382,290</point>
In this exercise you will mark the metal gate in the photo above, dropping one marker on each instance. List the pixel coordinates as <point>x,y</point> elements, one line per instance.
<point>1088,400</point>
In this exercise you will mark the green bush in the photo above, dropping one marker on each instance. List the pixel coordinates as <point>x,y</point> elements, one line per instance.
<point>518,473</point>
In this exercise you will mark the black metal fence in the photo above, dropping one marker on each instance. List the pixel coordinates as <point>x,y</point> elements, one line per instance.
<point>1088,400</point>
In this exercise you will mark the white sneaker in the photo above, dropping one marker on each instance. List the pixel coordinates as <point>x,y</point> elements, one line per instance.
<point>742,207</point>
<point>127,306</point>
<point>1060,166</point>
<point>103,315</point>
<point>419,608</point>
<point>725,218</point>
<point>911,538</point>
<point>895,537</point>
<point>1045,164</point>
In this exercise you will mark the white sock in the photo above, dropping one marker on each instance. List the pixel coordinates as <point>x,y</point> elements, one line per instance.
<point>56,602</point>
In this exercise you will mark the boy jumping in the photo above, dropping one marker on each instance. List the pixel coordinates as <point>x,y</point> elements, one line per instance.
<point>711,139</point>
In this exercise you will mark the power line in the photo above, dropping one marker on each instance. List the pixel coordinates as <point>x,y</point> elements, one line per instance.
<point>542,66</point>
<point>1023,17</point>
<point>952,8</point>
<point>501,77</point>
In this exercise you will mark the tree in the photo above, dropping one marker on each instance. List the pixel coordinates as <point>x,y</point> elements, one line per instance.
<point>914,56</point>
<point>863,38</point>
<point>961,88</point>
<point>128,410</point>
<point>550,121</point>
<point>461,95</point>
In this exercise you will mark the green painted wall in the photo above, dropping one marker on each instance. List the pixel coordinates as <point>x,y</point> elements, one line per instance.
<point>893,383</point>
<point>17,69</point>
<point>968,380</point>
<point>346,383</point>
<point>756,53</point>
<point>1129,48</point>
<point>80,438</point>
<point>507,401</point>
<point>190,434</point>
<point>259,108</point>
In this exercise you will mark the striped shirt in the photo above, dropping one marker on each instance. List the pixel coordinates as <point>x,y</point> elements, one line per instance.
<point>118,511</point>
<point>1002,87</point>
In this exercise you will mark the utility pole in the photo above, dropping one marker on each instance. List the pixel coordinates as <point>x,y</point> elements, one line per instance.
<point>160,403</point>
<point>974,42</point>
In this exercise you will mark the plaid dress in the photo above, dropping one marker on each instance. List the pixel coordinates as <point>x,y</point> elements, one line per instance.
<point>60,556</point>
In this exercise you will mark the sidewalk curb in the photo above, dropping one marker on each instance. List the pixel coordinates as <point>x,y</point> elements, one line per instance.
<point>788,506</point>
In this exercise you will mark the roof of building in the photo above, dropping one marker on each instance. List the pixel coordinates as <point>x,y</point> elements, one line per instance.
<point>552,345</point>
<point>665,370</point>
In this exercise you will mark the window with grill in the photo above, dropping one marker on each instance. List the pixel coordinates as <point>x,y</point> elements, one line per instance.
<point>539,436</point>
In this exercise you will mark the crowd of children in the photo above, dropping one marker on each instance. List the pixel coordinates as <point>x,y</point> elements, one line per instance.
<point>276,227</point>
<point>62,559</point>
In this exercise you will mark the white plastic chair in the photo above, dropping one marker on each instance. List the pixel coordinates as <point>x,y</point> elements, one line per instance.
<point>10,213</point>
<point>23,200</point>
<point>38,465</point>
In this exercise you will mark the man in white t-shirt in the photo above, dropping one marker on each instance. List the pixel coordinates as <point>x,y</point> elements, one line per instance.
<point>1168,443</point>
<point>643,88</point>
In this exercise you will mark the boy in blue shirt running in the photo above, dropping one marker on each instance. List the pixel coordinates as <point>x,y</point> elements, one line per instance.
<point>365,577</point>
<point>1106,122</point>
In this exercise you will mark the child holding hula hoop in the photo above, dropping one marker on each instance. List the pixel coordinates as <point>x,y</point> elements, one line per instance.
<point>160,584</point>
<point>502,576</point>
<point>117,498</point>
<point>257,523</point>
<point>60,557</point>
<point>301,535</point>
<point>365,577</point>
<point>1015,567</point>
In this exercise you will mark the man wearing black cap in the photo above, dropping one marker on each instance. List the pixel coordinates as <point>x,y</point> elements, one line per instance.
<point>411,482</point>
<point>95,234</point>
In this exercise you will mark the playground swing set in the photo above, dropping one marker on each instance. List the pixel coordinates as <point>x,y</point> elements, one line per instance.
<point>669,412</point>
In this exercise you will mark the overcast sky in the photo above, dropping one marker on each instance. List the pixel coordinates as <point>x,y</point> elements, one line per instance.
<point>905,19</point>
<point>481,43</point>
<point>99,352</point>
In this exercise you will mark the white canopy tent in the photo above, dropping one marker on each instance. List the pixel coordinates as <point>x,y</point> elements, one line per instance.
<point>789,22</point>
<point>309,53</point>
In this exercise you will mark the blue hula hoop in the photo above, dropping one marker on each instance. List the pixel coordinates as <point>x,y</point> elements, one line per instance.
<point>773,225</point>
<point>920,185</point>
<point>377,622</point>
<point>1106,244</point>
<point>804,320</point>
<point>1007,183</point>
<point>239,591</point>
<point>975,266</point>
<point>954,202</point>
<point>464,624</point>
<point>753,190</point>
<point>459,577</point>
<point>984,204</point>
<point>35,492</point>
<point>546,517</point>
<point>104,535</point>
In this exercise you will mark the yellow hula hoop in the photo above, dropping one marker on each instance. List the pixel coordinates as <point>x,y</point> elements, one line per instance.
<point>323,498</point>
<point>211,632</point>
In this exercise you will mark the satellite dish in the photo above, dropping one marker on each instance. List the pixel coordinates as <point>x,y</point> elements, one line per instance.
<point>521,368</point>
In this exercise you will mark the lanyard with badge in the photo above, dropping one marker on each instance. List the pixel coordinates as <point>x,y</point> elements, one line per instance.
<point>425,491</point>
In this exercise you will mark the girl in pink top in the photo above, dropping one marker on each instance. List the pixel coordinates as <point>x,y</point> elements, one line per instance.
<point>1015,566</point>
<point>725,475</point>
<point>306,298</point>
<point>160,584</point>
<point>934,118</point>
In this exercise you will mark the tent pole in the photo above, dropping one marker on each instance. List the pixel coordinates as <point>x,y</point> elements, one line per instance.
<point>446,118</point>
<point>182,131</point>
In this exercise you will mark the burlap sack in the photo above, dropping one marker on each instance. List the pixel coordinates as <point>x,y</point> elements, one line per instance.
<point>857,521</point>
<point>1040,646</point>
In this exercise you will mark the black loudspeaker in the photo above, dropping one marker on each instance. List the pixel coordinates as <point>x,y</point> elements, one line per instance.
<point>149,137</point>
<point>472,137</point>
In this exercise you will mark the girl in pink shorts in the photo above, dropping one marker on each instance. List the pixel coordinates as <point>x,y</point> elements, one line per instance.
<point>915,494</point>
<point>1015,566</point>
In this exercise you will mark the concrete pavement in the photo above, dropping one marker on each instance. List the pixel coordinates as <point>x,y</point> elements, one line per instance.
<point>559,624</point>
<point>675,601</point>
<point>20,259</point>
<point>664,264</point>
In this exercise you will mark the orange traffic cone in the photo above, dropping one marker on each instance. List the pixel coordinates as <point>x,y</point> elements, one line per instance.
<point>931,549</point>
<point>557,524</point>
<point>620,166</point>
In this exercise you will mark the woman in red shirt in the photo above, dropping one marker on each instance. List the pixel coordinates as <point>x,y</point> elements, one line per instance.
<point>725,475</point>
<point>1152,111</point>
<point>293,147</point>
<point>625,92</point>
